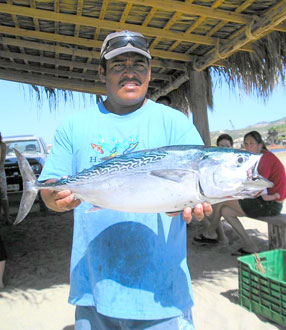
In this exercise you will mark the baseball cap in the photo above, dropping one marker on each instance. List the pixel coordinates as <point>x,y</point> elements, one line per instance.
<point>118,43</point>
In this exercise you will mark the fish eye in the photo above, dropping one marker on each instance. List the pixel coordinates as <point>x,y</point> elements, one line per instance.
<point>240,160</point>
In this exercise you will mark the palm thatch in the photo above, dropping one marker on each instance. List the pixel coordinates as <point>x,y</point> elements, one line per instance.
<point>257,72</point>
<point>260,71</point>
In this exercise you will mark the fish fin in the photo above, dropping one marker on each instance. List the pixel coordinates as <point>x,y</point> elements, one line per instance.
<point>93,209</point>
<point>29,190</point>
<point>176,175</point>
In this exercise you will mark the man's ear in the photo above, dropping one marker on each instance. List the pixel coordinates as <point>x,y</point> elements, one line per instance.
<point>101,74</point>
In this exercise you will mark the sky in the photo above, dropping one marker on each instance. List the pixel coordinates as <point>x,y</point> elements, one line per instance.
<point>20,112</point>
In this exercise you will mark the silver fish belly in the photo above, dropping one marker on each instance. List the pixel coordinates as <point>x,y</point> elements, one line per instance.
<point>166,179</point>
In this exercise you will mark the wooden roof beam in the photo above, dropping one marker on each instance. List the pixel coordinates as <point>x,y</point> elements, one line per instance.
<point>77,27</point>
<point>79,52</point>
<point>85,42</point>
<point>47,60</point>
<point>64,84</point>
<point>110,25</point>
<point>48,71</point>
<point>252,32</point>
<point>47,47</point>
<point>172,85</point>
<point>281,27</point>
<point>15,21</point>
<point>166,27</point>
<point>220,25</point>
<point>58,62</point>
<point>101,16</point>
<point>55,82</point>
<point>190,9</point>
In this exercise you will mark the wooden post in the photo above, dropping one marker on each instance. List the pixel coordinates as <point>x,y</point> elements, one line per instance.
<point>276,236</point>
<point>199,105</point>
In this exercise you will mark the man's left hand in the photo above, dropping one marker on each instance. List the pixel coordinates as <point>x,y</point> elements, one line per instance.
<point>200,211</point>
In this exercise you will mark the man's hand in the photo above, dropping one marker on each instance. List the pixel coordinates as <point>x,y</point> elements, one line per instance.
<point>200,210</point>
<point>59,201</point>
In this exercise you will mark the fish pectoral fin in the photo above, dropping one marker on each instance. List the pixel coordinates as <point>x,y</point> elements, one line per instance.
<point>175,175</point>
<point>93,209</point>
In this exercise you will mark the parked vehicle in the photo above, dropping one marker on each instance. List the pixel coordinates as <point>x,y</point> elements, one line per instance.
<point>34,149</point>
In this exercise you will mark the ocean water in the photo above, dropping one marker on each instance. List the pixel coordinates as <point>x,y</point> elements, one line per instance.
<point>277,150</point>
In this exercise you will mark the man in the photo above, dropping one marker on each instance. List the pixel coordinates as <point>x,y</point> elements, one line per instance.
<point>128,271</point>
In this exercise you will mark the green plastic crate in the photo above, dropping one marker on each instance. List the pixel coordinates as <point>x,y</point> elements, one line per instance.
<point>264,294</point>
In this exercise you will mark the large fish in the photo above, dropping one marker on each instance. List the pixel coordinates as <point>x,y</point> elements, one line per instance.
<point>166,179</point>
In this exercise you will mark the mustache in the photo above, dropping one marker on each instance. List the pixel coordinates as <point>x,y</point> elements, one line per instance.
<point>128,79</point>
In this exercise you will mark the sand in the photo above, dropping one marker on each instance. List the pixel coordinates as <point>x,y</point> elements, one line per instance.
<point>37,276</point>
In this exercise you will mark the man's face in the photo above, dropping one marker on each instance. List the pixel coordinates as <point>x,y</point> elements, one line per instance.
<point>127,78</point>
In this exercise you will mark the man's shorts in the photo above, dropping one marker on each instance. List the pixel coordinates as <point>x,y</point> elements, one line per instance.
<point>87,318</point>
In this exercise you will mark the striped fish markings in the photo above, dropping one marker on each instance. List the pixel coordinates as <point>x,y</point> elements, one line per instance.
<point>165,179</point>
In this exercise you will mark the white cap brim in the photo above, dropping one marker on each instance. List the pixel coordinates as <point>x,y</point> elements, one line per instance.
<point>127,49</point>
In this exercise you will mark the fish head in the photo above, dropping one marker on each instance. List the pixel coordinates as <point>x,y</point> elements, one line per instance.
<point>230,174</point>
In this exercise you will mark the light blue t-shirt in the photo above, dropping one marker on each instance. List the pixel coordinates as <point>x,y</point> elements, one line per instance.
<point>128,265</point>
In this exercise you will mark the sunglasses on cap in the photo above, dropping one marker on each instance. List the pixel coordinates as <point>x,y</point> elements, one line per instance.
<point>122,41</point>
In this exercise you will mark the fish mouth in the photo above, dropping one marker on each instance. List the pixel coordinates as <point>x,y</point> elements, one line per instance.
<point>259,181</point>
<point>256,180</point>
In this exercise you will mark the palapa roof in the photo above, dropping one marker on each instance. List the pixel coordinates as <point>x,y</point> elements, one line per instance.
<point>56,43</point>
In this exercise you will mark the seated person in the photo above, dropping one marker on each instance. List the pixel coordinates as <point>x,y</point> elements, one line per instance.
<point>224,141</point>
<point>267,204</point>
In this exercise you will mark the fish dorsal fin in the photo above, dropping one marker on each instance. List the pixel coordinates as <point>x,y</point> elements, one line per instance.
<point>176,175</point>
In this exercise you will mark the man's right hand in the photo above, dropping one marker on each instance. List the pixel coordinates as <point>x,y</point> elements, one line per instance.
<point>59,201</point>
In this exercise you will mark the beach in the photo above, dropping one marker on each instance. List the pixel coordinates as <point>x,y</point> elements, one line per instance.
<point>37,275</point>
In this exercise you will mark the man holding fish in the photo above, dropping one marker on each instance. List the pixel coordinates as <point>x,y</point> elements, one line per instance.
<point>121,166</point>
<point>128,270</point>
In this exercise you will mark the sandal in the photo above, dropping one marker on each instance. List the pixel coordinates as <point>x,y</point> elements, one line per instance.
<point>241,252</point>
<point>204,240</point>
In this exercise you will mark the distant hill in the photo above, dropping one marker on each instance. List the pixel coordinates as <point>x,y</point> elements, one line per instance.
<point>238,134</point>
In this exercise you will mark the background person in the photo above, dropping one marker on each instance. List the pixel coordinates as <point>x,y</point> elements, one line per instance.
<point>164,100</point>
<point>4,204</point>
<point>268,204</point>
<point>128,270</point>
<point>224,141</point>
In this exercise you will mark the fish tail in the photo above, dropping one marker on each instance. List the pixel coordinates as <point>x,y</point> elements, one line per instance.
<point>29,188</point>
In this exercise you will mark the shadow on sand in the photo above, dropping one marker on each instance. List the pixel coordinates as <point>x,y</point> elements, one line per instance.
<point>38,248</point>
<point>206,262</point>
